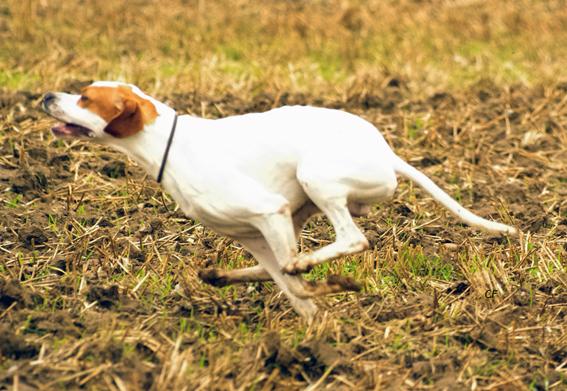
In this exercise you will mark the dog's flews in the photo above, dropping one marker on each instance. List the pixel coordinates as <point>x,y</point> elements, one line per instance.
<point>257,177</point>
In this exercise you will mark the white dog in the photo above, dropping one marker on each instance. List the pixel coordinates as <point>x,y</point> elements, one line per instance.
<point>256,178</point>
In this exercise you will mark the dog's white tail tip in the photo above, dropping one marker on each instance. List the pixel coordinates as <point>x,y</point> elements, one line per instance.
<point>452,205</point>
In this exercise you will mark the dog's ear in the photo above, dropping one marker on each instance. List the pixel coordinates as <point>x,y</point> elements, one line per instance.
<point>133,113</point>
<point>128,121</point>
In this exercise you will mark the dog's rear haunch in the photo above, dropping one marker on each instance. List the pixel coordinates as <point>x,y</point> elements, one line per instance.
<point>257,178</point>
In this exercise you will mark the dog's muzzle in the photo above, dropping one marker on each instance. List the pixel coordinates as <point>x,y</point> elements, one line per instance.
<point>63,129</point>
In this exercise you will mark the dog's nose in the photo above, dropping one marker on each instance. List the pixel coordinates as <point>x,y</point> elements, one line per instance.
<point>48,98</point>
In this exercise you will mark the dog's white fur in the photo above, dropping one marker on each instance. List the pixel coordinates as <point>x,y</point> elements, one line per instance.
<point>258,177</point>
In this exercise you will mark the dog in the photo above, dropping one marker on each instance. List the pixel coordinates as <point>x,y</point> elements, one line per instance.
<point>256,178</point>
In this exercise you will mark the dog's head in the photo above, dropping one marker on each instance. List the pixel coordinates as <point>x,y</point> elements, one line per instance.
<point>103,110</point>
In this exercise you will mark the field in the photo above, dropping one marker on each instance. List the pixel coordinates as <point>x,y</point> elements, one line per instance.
<point>98,267</point>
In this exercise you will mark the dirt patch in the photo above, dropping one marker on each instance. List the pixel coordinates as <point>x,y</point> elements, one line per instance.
<point>309,360</point>
<point>11,291</point>
<point>106,297</point>
<point>15,346</point>
<point>32,237</point>
<point>81,226</point>
<point>320,355</point>
<point>59,323</point>
<point>30,182</point>
<point>114,169</point>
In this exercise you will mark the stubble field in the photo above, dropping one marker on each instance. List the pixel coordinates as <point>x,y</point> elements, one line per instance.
<point>98,267</point>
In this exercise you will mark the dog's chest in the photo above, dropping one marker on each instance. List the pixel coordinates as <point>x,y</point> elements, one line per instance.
<point>225,198</point>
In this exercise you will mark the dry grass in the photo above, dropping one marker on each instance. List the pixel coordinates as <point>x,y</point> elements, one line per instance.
<point>98,284</point>
<point>242,47</point>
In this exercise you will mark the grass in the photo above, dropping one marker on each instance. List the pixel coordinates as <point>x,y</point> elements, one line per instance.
<point>219,45</point>
<point>98,268</point>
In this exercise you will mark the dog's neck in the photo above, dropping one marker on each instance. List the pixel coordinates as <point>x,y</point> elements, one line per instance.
<point>148,146</point>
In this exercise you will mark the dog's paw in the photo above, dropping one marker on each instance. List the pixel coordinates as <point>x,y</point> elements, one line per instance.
<point>333,284</point>
<point>344,283</point>
<point>297,267</point>
<point>213,277</point>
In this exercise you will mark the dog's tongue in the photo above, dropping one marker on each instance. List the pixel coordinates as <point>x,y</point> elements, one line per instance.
<point>61,128</point>
<point>71,130</point>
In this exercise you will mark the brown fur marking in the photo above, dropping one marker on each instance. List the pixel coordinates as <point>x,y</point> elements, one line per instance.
<point>126,112</point>
<point>213,277</point>
<point>334,283</point>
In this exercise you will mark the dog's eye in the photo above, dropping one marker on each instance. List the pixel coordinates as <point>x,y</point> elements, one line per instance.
<point>84,98</point>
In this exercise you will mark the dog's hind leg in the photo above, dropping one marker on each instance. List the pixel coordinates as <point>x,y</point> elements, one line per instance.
<point>292,286</point>
<point>349,238</point>
<point>358,209</point>
<point>337,188</point>
<point>334,284</point>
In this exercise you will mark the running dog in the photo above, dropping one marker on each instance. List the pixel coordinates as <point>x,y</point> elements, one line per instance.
<point>256,178</point>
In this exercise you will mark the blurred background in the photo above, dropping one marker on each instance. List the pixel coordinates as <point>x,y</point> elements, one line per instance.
<point>245,47</point>
<point>98,267</point>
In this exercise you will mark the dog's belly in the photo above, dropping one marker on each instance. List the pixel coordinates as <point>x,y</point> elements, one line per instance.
<point>232,228</point>
<point>206,210</point>
<point>269,148</point>
<point>279,177</point>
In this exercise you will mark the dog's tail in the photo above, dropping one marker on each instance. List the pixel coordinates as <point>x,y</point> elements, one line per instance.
<point>404,169</point>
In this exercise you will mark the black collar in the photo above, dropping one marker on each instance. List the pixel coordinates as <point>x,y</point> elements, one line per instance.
<point>166,153</point>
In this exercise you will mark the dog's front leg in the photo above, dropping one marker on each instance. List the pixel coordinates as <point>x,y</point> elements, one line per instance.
<point>256,273</point>
<point>333,284</point>
<point>216,277</point>
<point>292,286</point>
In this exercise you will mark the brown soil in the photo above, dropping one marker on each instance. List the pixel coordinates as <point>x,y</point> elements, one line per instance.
<point>98,269</point>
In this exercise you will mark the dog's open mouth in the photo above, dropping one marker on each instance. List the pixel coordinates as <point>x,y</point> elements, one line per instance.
<point>70,130</point>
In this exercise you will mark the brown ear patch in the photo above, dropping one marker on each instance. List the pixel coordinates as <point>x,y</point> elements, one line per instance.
<point>125,111</point>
